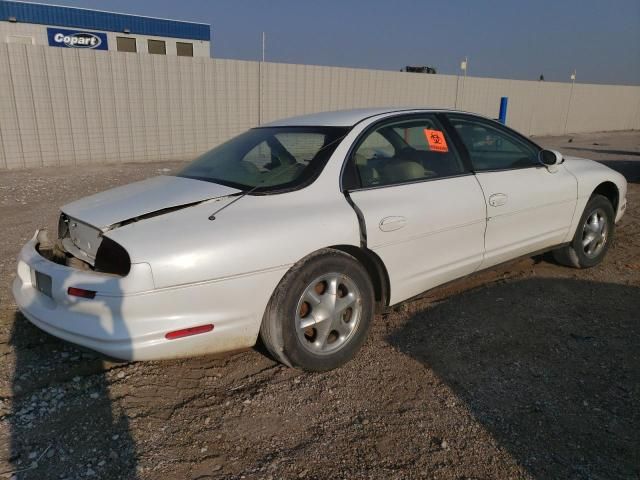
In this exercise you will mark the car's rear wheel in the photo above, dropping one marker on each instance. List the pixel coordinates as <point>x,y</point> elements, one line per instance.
<point>320,314</point>
<point>593,235</point>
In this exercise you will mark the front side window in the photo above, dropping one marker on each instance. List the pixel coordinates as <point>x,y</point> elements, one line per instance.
<point>406,151</point>
<point>491,147</point>
<point>268,159</point>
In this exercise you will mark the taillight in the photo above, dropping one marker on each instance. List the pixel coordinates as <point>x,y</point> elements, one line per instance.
<point>186,332</point>
<point>81,292</point>
<point>112,258</point>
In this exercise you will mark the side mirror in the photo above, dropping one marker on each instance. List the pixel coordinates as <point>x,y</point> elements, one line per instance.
<point>550,157</point>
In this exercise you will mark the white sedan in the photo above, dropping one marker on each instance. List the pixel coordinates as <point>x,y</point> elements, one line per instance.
<point>298,231</point>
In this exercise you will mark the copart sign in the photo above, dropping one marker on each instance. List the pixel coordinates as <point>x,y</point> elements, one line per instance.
<point>75,39</point>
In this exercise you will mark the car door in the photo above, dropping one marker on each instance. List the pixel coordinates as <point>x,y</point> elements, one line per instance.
<point>422,208</point>
<point>529,206</point>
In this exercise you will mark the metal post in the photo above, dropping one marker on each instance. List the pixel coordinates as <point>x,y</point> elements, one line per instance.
<point>260,75</point>
<point>464,84</point>
<point>466,67</point>
<point>566,118</point>
<point>463,66</point>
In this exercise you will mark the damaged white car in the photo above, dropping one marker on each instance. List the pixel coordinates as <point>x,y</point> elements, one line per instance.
<point>298,231</point>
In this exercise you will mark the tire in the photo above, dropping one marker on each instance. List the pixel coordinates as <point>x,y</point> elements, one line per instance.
<point>306,325</point>
<point>597,221</point>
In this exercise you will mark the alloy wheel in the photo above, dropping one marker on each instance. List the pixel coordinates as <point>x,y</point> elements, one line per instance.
<point>328,313</point>
<point>595,233</point>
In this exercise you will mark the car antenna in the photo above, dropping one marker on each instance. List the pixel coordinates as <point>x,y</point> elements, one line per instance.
<point>253,189</point>
<point>243,194</point>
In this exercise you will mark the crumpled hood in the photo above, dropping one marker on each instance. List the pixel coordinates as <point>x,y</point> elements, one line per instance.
<point>141,198</point>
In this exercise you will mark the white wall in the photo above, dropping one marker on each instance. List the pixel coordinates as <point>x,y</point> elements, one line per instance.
<point>72,107</point>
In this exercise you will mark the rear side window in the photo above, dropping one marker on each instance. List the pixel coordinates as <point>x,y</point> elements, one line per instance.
<point>281,157</point>
<point>492,147</point>
<point>268,159</point>
<point>406,151</point>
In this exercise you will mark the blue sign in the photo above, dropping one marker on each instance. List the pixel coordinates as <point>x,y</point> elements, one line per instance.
<point>59,37</point>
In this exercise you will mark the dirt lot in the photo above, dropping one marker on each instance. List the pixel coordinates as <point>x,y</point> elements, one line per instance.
<point>528,371</point>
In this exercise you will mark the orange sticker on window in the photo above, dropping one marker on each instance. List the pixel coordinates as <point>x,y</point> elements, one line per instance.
<point>436,141</point>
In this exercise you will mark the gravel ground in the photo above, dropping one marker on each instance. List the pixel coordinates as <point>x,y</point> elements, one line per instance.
<point>530,370</point>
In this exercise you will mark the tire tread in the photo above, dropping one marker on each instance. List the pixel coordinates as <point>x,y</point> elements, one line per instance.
<point>271,329</point>
<point>568,255</point>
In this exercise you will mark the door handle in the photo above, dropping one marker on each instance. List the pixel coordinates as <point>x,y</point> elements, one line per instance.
<point>497,199</point>
<point>389,224</point>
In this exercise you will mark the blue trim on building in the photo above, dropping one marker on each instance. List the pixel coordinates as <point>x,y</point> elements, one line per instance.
<point>96,20</point>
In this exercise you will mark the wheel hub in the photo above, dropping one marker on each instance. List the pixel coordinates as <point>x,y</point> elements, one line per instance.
<point>328,313</point>
<point>595,232</point>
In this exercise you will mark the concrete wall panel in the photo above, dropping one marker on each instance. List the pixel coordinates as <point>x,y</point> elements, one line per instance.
<point>149,108</point>
<point>122,104</point>
<point>90,95</point>
<point>24,106</point>
<point>108,111</point>
<point>42,107</point>
<point>70,107</point>
<point>9,128</point>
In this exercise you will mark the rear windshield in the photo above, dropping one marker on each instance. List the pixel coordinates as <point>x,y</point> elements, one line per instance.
<point>268,159</point>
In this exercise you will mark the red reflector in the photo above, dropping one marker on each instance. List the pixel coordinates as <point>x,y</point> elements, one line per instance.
<point>185,332</point>
<point>81,292</point>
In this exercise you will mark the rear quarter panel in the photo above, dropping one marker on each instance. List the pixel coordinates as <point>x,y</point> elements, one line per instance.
<point>255,234</point>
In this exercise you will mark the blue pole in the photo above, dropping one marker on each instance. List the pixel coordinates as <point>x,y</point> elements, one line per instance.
<point>503,110</point>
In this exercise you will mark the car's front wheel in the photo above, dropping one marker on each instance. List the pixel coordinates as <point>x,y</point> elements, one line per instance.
<point>320,313</point>
<point>593,235</point>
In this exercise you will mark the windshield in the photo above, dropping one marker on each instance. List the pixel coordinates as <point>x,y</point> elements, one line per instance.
<point>267,159</point>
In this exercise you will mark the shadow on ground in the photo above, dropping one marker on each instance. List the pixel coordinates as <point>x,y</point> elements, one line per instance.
<point>64,422</point>
<point>605,151</point>
<point>551,367</point>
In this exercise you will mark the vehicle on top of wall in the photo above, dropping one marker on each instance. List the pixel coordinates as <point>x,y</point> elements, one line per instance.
<point>300,230</point>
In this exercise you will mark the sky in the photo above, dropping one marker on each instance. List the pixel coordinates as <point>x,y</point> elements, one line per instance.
<point>518,39</point>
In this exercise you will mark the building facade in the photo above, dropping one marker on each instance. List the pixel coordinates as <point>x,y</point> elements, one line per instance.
<point>67,27</point>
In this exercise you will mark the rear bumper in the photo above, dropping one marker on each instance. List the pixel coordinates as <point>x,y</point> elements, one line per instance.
<point>129,318</point>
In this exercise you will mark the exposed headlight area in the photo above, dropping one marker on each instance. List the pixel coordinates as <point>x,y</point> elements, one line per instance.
<point>63,226</point>
<point>83,247</point>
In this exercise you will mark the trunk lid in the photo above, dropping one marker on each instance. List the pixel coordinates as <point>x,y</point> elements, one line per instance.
<point>127,202</point>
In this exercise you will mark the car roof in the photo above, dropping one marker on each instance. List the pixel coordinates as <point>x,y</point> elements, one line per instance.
<point>341,118</point>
